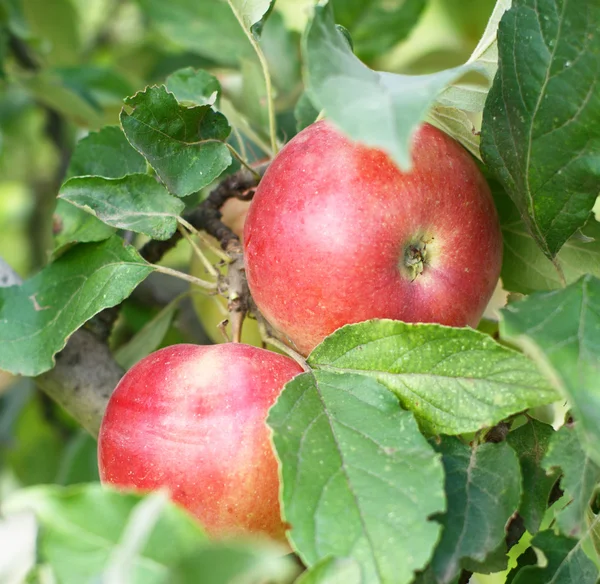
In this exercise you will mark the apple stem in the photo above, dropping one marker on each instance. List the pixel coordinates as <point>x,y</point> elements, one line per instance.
<point>206,240</point>
<point>212,286</point>
<point>268,85</point>
<point>275,342</point>
<point>199,253</point>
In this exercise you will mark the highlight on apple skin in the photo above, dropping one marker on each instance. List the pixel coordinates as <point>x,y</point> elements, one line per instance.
<point>337,234</point>
<point>193,418</point>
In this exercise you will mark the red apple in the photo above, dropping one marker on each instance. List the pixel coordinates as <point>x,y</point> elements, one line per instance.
<point>192,418</point>
<point>336,234</point>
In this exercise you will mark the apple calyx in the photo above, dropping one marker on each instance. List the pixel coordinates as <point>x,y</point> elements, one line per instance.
<point>416,257</point>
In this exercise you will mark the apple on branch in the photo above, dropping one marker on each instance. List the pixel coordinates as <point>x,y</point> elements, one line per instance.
<point>193,419</point>
<point>337,234</point>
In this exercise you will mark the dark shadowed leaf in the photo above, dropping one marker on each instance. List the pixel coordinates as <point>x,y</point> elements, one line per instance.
<point>541,125</point>
<point>530,442</point>
<point>186,146</point>
<point>526,269</point>
<point>359,480</point>
<point>580,476</point>
<point>136,202</point>
<point>455,380</point>
<point>483,487</point>
<point>561,331</point>
<point>38,317</point>
<point>566,562</point>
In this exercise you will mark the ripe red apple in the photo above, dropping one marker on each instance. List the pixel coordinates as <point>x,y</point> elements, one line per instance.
<point>336,234</point>
<point>193,418</point>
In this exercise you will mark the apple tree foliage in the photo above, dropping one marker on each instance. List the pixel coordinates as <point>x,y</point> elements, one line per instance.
<point>409,452</point>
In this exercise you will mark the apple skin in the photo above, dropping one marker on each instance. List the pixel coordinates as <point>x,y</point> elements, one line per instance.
<point>337,234</point>
<point>193,418</point>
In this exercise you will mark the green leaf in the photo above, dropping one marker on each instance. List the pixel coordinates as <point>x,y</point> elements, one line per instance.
<point>57,23</point>
<point>136,202</point>
<point>456,123</point>
<point>332,571</point>
<point>483,487</point>
<point>186,146</point>
<point>526,269</point>
<point>377,25</point>
<point>566,562</point>
<point>192,87</point>
<point>471,97</point>
<point>359,480</point>
<point>83,525</point>
<point>106,153</point>
<point>304,112</point>
<point>385,108</point>
<point>281,47</point>
<point>235,562</point>
<point>541,124</point>
<point>208,28</point>
<point>455,380</point>
<point>580,476</point>
<point>79,460</point>
<point>148,338</point>
<point>252,14</point>
<point>530,442</point>
<point>561,331</point>
<point>38,317</point>
<point>74,225</point>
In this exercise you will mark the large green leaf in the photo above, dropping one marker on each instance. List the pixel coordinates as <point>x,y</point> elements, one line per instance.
<point>359,480</point>
<point>105,153</point>
<point>86,526</point>
<point>530,441</point>
<point>541,125</point>
<point>207,27</point>
<point>580,477</point>
<point>483,487</point>
<point>454,380</point>
<point>38,317</point>
<point>385,108</point>
<point>561,330</point>
<point>526,269</point>
<point>136,202</point>
<point>186,146</point>
<point>377,25</point>
<point>566,562</point>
